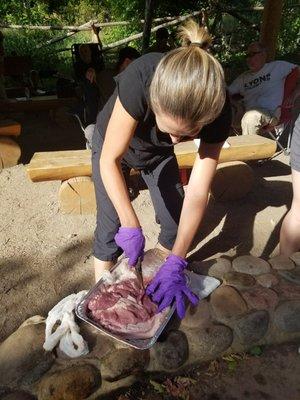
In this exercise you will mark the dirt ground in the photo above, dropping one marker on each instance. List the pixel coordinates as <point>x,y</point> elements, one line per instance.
<point>273,375</point>
<point>46,255</point>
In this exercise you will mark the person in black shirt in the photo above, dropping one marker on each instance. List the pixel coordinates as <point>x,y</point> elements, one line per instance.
<point>161,44</point>
<point>160,100</point>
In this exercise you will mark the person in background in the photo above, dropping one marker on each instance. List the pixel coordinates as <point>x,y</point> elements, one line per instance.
<point>103,82</point>
<point>3,95</point>
<point>261,89</point>
<point>105,79</point>
<point>35,84</point>
<point>159,100</point>
<point>290,228</point>
<point>87,59</point>
<point>161,44</point>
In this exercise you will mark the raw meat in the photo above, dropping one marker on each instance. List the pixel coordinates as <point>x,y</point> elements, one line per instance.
<point>121,305</point>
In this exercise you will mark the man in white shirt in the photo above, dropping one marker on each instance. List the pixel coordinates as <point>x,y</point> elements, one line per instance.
<point>261,88</point>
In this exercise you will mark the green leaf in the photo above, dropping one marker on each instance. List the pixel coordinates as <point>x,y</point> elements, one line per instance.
<point>256,351</point>
<point>159,387</point>
<point>232,365</point>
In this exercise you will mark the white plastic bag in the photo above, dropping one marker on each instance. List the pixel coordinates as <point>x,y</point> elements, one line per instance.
<point>202,285</point>
<point>67,332</point>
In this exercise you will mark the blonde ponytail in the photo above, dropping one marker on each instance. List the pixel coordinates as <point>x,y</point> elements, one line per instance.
<point>189,82</point>
<point>192,33</point>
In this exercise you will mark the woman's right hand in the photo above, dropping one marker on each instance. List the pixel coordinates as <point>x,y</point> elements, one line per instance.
<point>132,242</point>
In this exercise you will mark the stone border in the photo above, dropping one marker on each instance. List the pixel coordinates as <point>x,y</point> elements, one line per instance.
<point>258,303</point>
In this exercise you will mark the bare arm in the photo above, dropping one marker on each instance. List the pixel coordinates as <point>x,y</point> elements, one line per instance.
<point>196,196</point>
<point>119,132</point>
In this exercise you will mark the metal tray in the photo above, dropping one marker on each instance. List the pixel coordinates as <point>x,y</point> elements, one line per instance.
<point>140,344</point>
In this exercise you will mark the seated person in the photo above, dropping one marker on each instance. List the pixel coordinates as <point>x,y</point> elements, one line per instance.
<point>261,88</point>
<point>87,59</point>
<point>161,45</point>
<point>35,84</point>
<point>105,84</point>
<point>105,79</point>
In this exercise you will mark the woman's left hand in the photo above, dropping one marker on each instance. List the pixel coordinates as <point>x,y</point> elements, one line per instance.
<point>169,284</point>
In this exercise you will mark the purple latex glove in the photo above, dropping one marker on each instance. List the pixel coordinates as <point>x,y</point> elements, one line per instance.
<point>132,242</point>
<point>169,284</point>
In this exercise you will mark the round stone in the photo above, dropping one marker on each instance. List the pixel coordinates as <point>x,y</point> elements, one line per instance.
<point>281,262</point>
<point>173,352</point>
<point>216,267</point>
<point>288,291</point>
<point>123,362</point>
<point>260,298</point>
<point>22,357</point>
<point>197,317</point>
<point>19,395</point>
<point>76,382</point>
<point>238,279</point>
<point>267,280</point>
<point>296,257</point>
<point>208,343</point>
<point>287,316</point>
<point>99,345</point>
<point>291,276</point>
<point>226,303</point>
<point>250,265</point>
<point>219,268</point>
<point>201,267</point>
<point>252,327</point>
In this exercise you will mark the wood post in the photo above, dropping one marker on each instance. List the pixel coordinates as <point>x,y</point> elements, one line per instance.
<point>71,33</point>
<point>233,181</point>
<point>77,196</point>
<point>270,26</point>
<point>10,152</point>
<point>81,27</point>
<point>149,6</point>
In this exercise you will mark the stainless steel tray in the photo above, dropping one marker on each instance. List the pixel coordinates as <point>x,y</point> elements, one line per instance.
<point>141,344</point>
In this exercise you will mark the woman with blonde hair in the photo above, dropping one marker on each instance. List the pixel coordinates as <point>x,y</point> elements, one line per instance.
<point>160,100</point>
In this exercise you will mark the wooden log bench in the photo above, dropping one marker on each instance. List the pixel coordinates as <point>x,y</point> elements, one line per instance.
<point>10,151</point>
<point>73,168</point>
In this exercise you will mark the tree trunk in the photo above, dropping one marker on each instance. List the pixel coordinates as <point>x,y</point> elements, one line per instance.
<point>270,26</point>
<point>149,6</point>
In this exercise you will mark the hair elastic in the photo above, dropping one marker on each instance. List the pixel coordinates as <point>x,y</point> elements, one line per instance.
<point>202,45</point>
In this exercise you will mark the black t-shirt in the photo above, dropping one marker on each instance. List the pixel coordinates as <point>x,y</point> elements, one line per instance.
<point>148,145</point>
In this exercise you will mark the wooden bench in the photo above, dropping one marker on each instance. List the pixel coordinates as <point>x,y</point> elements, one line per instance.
<point>10,151</point>
<point>73,167</point>
<point>8,127</point>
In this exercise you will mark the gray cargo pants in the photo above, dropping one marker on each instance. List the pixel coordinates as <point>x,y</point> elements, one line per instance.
<point>166,192</point>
